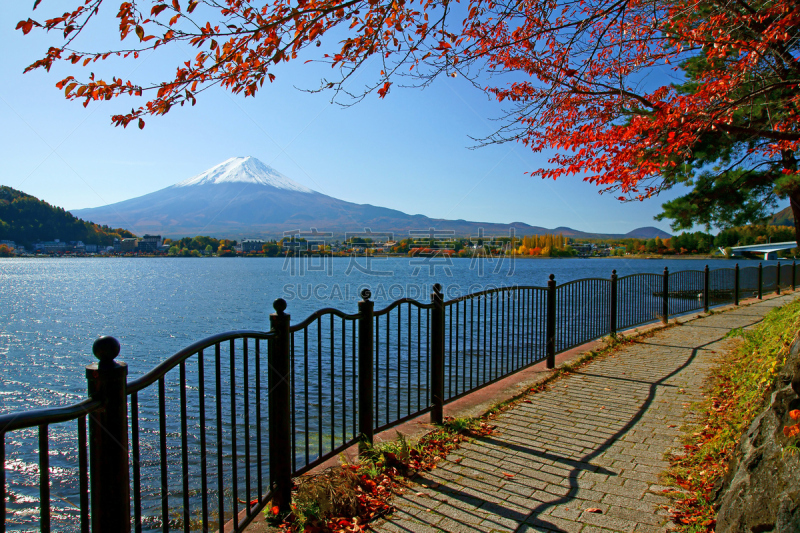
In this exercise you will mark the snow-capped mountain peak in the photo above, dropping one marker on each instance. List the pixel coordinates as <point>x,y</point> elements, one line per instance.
<point>244,170</point>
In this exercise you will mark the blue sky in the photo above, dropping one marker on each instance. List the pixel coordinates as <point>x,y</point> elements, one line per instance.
<point>410,151</point>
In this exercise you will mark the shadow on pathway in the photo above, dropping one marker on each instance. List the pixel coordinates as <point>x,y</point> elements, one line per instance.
<point>595,440</point>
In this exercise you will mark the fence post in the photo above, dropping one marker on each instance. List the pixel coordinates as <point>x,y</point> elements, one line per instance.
<point>437,355</point>
<point>108,440</point>
<point>736,285</point>
<point>280,401</point>
<point>794,275</point>
<point>760,280</point>
<point>365,370</point>
<point>551,322</point>
<point>613,325</point>
<point>665,304</point>
<point>706,288</point>
<point>778,278</point>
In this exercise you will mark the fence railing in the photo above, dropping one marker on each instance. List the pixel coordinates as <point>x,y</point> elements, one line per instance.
<point>219,429</point>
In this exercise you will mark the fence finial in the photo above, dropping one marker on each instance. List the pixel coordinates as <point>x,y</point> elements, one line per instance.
<point>106,349</point>
<point>280,305</point>
<point>366,294</point>
<point>437,288</point>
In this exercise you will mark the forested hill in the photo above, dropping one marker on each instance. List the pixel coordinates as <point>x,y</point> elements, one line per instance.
<point>783,217</point>
<point>25,219</point>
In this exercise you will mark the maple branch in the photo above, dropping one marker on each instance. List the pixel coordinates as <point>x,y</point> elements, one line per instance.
<point>767,134</point>
<point>618,92</point>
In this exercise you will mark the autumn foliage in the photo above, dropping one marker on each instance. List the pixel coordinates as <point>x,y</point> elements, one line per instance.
<point>794,429</point>
<point>348,497</point>
<point>635,96</point>
<point>543,245</point>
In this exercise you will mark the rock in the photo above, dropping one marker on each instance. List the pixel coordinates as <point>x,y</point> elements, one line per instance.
<point>761,492</point>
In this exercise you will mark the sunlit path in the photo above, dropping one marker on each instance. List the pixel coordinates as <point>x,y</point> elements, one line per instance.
<point>596,440</point>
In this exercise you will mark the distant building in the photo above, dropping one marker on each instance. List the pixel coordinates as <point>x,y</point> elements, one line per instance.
<point>150,243</point>
<point>55,246</point>
<point>252,245</point>
<point>583,249</point>
<point>128,245</point>
<point>91,248</point>
<point>50,247</point>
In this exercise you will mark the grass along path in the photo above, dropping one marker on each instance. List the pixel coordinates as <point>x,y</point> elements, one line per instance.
<point>739,384</point>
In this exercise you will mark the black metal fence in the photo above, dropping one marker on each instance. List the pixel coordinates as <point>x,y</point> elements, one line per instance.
<point>218,430</point>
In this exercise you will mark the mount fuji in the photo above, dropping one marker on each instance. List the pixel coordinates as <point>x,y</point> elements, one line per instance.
<point>243,197</point>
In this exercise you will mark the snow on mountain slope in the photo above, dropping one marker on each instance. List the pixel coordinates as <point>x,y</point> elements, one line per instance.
<point>244,170</point>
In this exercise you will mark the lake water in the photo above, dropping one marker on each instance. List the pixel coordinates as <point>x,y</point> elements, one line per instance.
<point>51,311</point>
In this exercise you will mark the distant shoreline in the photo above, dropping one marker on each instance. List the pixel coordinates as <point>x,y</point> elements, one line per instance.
<point>523,257</point>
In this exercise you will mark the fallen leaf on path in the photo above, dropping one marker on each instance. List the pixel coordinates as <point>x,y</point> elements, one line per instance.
<point>594,510</point>
<point>507,474</point>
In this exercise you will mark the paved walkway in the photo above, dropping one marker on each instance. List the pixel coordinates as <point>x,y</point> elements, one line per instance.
<point>595,440</point>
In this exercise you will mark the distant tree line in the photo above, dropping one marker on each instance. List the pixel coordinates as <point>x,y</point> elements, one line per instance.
<point>746,235</point>
<point>200,245</point>
<point>546,246</point>
<point>700,242</point>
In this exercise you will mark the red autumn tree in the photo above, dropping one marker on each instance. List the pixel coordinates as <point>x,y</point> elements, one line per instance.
<point>633,95</point>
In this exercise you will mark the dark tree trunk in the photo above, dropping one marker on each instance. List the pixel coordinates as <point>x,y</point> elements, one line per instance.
<point>794,201</point>
<point>790,163</point>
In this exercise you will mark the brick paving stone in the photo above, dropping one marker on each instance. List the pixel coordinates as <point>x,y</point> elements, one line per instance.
<point>597,438</point>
